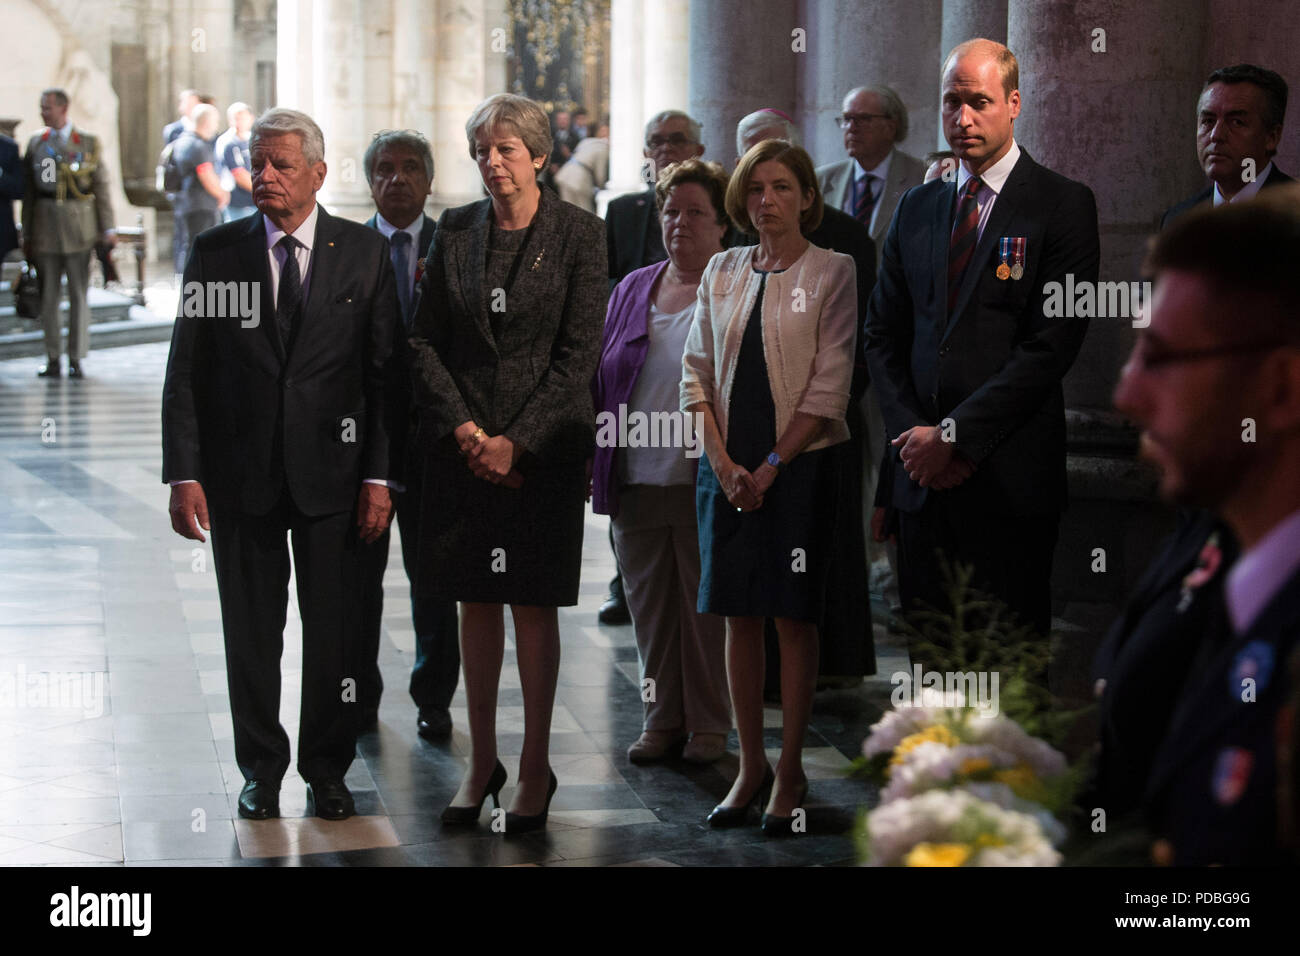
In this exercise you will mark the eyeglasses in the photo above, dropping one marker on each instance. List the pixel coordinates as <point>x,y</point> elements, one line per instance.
<point>676,139</point>
<point>845,120</point>
<point>1148,360</point>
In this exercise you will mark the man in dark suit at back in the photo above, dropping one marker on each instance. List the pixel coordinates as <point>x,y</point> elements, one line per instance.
<point>274,424</point>
<point>12,182</point>
<point>1238,128</point>
<point>966,362</point>
<point>1214,384</point>
<point>399,170</point>
<point>632,233</point>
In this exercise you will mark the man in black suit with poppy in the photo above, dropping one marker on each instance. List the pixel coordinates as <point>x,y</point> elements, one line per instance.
<point>274,425</point>
<point>1238,127</point>
<point>966,361</point>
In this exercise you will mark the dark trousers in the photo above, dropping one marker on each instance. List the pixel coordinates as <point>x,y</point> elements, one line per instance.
<point>195,223</point>
<point>252,561</point>
<point>1011,554</point>
<point>180,236</point>
<point>437,648</point>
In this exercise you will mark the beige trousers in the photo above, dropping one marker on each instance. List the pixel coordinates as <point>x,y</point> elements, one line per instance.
<point>682,652</point>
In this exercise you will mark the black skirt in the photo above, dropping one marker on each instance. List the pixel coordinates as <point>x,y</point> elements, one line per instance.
<point>481,542</point>
<point>771,562</point>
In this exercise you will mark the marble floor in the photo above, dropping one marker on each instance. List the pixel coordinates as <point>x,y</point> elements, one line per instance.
<point>115,732</point>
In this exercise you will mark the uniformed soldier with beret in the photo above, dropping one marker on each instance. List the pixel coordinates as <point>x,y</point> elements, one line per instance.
<point>66,210</point>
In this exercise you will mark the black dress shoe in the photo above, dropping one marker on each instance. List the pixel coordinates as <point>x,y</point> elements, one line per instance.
<point>434,723</point>
<point>50,371</point>
<point>523,823</point>
<point>726,817</point>
<point>614,610</point>
<point>468,816</point>
<point>330,799</point>
<point>74,371</point>
<point>774,826</point>
<point>259,800</point>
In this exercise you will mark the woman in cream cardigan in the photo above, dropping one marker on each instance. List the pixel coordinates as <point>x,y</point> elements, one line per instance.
<point>768,364</point>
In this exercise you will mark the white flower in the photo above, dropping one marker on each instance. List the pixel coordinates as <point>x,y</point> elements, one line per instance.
<point>932,764</point>
<point>956,816</point>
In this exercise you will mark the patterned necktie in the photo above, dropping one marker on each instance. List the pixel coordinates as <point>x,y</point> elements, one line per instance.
<point>866,200</point>
<point>400,252</point>
<point>965,234</point>
<point>288,305</point>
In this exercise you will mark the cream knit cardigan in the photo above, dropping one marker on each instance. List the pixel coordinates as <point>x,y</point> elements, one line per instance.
<point>810,313</point>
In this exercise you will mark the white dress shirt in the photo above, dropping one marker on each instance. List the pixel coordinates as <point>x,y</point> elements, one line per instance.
<point>1246,191</point>
<point>387,229</point>
<point>306,236</point>
<point>1260,574</point>
<point>993,180</point>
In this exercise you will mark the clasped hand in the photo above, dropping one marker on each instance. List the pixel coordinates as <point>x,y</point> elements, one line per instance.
<point>492,459</point>
<point>745,489</point>
<point>929,460</point>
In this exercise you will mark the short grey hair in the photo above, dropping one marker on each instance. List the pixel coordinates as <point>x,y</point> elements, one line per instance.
<point>891,103</point>
<point>762,120</point>
<point>526,117</point>
<point>693,127</point>
<point>234,109</point>
<point>403,139</point>
<point>278,121</point>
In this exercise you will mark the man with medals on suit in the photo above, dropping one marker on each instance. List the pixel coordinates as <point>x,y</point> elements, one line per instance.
<point>1214,385</point>
<point>964,357</point>
<point>66,210</point>
<point>275,426</point>
<point>1238,127</point>
<point>399,170</point>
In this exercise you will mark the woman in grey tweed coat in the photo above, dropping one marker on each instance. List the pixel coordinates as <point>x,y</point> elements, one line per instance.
<point>506,339</point>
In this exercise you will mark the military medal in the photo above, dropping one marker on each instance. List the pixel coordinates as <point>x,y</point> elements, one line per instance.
<point>1004,270</point>
<point>1018,258</point>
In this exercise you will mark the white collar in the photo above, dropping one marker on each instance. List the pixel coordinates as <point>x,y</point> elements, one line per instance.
<point>881,171</point>
<point>995,177</point>
<point>1247,190</point>
<point>413,230</point>
<point>305,233</point>
<point>64,132</point>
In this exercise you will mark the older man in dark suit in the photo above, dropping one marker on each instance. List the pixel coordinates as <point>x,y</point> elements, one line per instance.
<point>399,169</point>
<point>274,423</point>
<point>1238,128</point>
<point>965,362</point>
<point>1214,384</point>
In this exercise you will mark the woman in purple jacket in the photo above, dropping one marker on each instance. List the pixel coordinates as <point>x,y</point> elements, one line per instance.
<point>643,474</point>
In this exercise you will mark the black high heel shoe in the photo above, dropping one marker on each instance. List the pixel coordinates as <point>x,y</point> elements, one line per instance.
<point>724,817</point>
<point>774,826</point>
<point>523,823</point>
<point>467,816</point>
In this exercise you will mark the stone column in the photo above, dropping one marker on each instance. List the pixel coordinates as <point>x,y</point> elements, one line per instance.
<point>348,60</point>
<point>894,42</point>
<point>628,47</point>
<point>741,60</point>
<point>1121,121</point>
<point>966,20</point>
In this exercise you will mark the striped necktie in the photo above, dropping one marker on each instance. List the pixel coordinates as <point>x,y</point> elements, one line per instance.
<point>866,203</point>
<point>965,234</point>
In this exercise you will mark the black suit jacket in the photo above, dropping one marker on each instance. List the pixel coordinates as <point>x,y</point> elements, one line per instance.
<point>628,221</point>
<point>533,383</point>
<point>401,407</point>
<point>246,417</point>
<point>840,232</point>
<point>1275,178</point>
<point>1214,783</point>
<point>994,367</point>
<point>12,179</point>
<point>1143,663</point>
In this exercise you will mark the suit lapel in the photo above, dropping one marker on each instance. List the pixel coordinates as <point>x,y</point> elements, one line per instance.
<point>326,261</point>
<point>470,251</point>
<point>1004,210</point>
<point>540,252</point>
<point>940,239</point>
<point>253,262</point>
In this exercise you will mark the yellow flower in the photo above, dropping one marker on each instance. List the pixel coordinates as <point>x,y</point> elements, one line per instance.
<point>937,854</point>
<point>973,765</point>
<point>1022,781</point>
<point>936,733</point>
<point>989,839</point>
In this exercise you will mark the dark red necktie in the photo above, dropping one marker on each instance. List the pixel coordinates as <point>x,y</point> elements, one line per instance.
<point>965,234</point>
